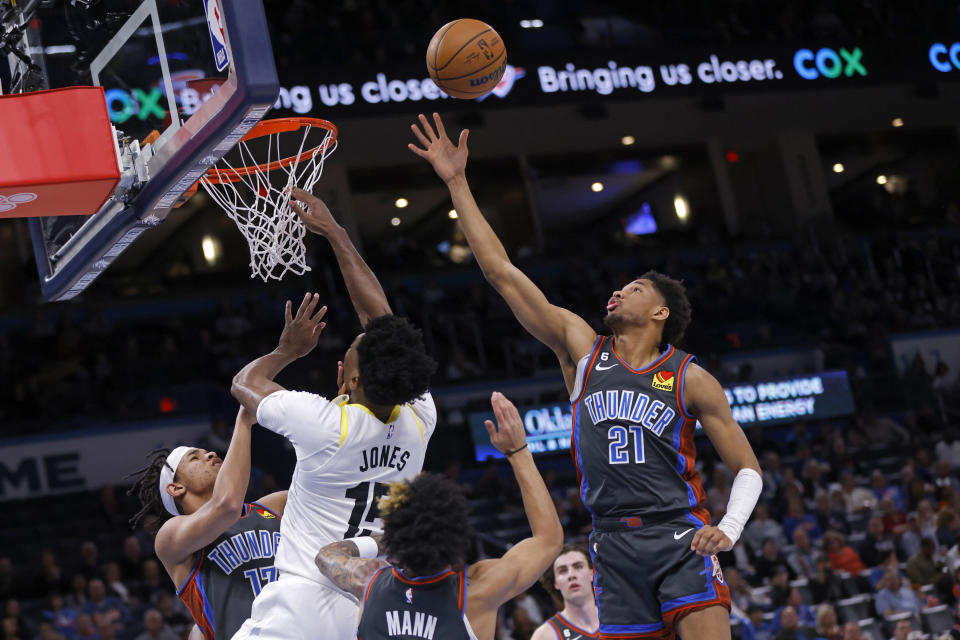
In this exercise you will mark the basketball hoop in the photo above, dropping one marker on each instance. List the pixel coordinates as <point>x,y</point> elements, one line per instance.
<point>262,209</point>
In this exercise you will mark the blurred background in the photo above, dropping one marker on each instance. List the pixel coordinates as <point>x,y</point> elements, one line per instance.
<point>795,163</point>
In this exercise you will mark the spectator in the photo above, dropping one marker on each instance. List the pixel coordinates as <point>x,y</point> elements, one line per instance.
<point>791,629</point>
<point>77,597</point>
<point>827,626</point>
<point>894,520</point>
<point>719,493</point>
<point>10,630</point>
<point>882,490</point>
<point>856,498</point>
<point>813,484</point>
<point>762,528</point>
<point>895,596</point>
<point>115,586</point>
<point>948,449</point>
<point>769,561</point>
<point>802,559</point>
<point>779,586</point>
<point>829,517</point>
<point>104,609</point>
<point>852,631</point>
<point>927,519</point>
<point>754,627</point>
<point>154,627</point>
<point>740,594</point>
<point>152,583</point>
<point>806,615</point>
<point>923,568</point>
<point>877,545</point>
<point>62,617</point>
<point>903,630</point>
<point>88,560</point>
<point>842,555</point>
<point>50,578</point>
<point>173,612</point>
<point>825,586</point>
<point>131,559</point>
<point>47,632</point>
<point>797,517</point>
<point>11,611</point>
<point>8,580</point>
<point>948,525</point>
<point>86,629</point>
<point>943,477</point>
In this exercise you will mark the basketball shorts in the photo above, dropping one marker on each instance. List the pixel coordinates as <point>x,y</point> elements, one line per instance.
<point>295,608</point>
<point>646,577</point>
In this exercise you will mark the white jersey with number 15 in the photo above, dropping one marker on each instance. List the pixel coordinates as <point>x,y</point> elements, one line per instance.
<point>345,459</point>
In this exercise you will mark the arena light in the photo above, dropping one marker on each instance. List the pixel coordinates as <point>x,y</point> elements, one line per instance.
<point>627,140</point>
<point>682,207</point>
<point>838,167</point>
<point>596,187</point>
<point>395,222</point>
<point>452,214</point>
<point>881,179</point>
<point>897,122</point>
<point>211,249</point>
<point>400,203</point>
<point>531,24</point>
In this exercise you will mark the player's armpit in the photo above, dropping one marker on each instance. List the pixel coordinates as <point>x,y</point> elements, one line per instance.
<point>708,403</point>
<point>339,562</point>
<point>494,582</point>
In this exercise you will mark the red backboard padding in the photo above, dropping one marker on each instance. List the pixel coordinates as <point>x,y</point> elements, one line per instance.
<point>57,153</point>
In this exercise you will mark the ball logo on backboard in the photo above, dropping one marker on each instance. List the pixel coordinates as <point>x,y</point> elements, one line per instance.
<point>217,36</point>
<point>9,203</point>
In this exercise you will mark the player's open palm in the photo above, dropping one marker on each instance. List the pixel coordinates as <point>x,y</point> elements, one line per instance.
<point>301,331</point>
<point>313,212</point>
<point>448,160</point>
<point>508,434</point>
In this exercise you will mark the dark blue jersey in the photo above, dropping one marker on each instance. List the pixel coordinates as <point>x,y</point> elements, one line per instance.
<point>633,437</point>
<point>567,631</point>
<point>230,571</point>
<point>428,608</point>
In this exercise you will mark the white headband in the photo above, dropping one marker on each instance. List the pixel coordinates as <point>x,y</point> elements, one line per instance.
<point>167,471</point>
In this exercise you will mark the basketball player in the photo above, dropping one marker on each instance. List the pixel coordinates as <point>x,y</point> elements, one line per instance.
<point>348,448</point>
<point>568,580</point>
<point>636,402</point>
<point>426,536</point>
<point>217,550</point>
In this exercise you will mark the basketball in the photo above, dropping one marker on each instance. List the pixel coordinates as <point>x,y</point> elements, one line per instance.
<point>466,58</point>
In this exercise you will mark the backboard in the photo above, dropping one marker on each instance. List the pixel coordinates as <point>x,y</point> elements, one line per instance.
<point>184,80</point>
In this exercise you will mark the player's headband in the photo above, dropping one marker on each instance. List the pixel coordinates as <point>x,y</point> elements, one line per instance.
<point>167,471</point>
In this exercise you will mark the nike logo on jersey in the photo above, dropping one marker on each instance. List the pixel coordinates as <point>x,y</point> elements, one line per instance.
<point>677,536</point>
<point>601,368</point>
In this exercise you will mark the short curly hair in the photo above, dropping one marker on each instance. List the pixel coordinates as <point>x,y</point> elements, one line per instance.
<point>548,579</point>
<point>393,363</point>
<point>425,526</point>
<point>675,297</point>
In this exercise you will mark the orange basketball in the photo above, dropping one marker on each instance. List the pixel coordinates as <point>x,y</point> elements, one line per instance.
<point>466,58</point>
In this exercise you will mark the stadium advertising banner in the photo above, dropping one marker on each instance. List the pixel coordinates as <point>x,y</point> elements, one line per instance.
<point>548,80</point>
<point>768,402</point>
<point>80,461</point>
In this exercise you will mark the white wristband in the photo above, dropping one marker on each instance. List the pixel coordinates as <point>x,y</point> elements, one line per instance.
<point>743,498</point>
<point>367,547</point>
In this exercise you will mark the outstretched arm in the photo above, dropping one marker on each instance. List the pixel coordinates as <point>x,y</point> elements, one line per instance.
<point>365,291</point>
<point>341,562</point>
<point>709,404</point>
<point>181,536</point>
<point>300,334</point>
<point>493,582</point>
<point>566,333</point>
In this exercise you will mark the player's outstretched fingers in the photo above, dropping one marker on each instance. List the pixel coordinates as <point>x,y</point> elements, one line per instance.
<point>427,129</point>
<point>288,313</point>
<point>441,132</point>
<point>422,138</point>
<point>319,315</point>
<point>303,306</point>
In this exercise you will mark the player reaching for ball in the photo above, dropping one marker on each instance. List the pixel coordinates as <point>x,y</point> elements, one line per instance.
<point>217,550</point>
<point>348,449</point>
<point>636,402</point>
<point>429,592</point>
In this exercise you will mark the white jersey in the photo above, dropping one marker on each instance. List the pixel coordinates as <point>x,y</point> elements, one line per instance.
<point>345,459</point>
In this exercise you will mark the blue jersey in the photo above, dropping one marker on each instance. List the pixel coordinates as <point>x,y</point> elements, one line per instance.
<point>633,436</point>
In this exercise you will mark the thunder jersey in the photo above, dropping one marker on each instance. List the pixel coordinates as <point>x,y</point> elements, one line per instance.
<point>230,572</point>
<point>346,459</point>
<point>632,436</point>
<point>428,608</point>
<point>567,631</point>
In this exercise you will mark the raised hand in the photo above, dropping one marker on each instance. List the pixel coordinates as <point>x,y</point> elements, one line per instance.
<point>314,213</point>
<point>302,331</point>
<point>508,434</point>
<point>448,161</point>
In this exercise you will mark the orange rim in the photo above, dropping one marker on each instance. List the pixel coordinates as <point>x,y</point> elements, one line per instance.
<point>270,127</point>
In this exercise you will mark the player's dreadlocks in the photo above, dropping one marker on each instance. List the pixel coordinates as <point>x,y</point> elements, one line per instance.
<point>425,526</point>
<point>147,490</point>
<point>675,296</point>
<point>393,363</point>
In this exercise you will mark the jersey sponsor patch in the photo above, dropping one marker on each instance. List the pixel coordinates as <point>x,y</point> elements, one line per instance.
<point>265,514</point>
<point>663,381</point>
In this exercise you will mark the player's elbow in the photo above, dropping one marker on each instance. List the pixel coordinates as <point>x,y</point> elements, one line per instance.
<point>229,505</point>
<point>551,539</point>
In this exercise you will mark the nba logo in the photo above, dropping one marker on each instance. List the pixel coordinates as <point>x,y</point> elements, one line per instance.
<point>217,36</point>
<point>390,431</point>
<point>409,596</point>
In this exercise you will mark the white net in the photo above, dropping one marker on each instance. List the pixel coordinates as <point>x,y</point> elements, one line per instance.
<point>260,206</point>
